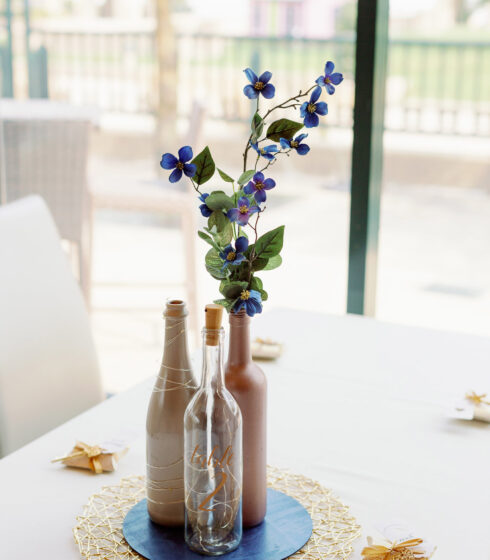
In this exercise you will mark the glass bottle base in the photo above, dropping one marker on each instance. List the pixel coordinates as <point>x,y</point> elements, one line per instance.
<point>212,544</point>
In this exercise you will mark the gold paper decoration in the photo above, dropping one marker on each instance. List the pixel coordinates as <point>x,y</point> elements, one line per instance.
<point>401,551</point>
<point>97,458</point>
<point>476,399</point>
<point>98,532</point>
<point>90,453</point>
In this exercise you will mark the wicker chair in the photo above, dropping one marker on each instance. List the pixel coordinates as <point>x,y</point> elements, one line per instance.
<point>44,150</point>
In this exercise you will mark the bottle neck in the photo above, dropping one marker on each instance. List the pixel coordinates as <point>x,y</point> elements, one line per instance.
<point>239,350</point>
<point>175,351</point>
<point>212,362</point>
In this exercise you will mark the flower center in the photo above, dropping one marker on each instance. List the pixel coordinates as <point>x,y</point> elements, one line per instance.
<point>259,185</point>
<point>259,85</point>
<point>294,144</point>
<point>262,151</point>
<point>231,256</point>
<point>243,209</point>
<point>180,165</point>
<point>327,80</point>
<point>245,295</point>
<point>311,108</point>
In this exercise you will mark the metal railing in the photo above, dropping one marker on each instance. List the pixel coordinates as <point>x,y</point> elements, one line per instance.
<point>432,86</point>
<point>214,64</point>
<point>439,86</point>
<point>102,65</point>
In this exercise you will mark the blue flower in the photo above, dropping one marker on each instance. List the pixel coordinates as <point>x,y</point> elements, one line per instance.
<point>259,85</point>
<point>311,109</point>
<point>330,79</point>
<point>265,152</point>
<point>234,256</point>
<point>169,161</point>
<point>258,185</point>
<point>205,210</point>
<point>242,212</point>
<point>296,144</point>
<point>251,300</point>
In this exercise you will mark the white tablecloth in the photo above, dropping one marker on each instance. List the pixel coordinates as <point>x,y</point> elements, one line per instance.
<point>355,403</point>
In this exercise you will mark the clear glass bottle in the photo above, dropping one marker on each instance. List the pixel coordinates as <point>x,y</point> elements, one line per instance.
<point>213,453</point>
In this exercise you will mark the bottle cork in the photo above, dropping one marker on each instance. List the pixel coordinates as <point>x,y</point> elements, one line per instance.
<point>214,315</point>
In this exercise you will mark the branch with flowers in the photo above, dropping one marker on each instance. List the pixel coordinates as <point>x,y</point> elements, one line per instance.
<point>233,217</point>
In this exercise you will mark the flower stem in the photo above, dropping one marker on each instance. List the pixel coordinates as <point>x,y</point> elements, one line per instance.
<point>283,105</point>
<point>255,228</point>
<point>272,161</point>
<point>196,188</point>
<point>252,254</point>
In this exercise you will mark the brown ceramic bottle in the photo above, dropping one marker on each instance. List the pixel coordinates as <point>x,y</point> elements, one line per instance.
<point>248,385</point>
<point>174,388</point>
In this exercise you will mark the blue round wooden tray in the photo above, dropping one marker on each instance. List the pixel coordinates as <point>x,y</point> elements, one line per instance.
<point>286,529</point>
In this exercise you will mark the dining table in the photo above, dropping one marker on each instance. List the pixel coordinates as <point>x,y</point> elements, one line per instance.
<point>360,405</point>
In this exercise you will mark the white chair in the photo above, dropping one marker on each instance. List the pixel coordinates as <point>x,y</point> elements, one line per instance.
<point>48,364</point>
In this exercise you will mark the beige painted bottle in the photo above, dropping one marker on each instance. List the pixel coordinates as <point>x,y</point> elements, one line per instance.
<point>174,388</point>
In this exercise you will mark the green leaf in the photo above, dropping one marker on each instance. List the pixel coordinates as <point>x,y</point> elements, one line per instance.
<point>218,200</point>
<point>205,167</point>
<point>226,235</point>
<point>259,264</point>
<point>236,196</point>
<point>257,127</point>
<point>231,290</point>
<point>220,228</point>
<point>217,219</point>
<point>225,177</point>
<point>256,284</point>
<point>208,239</point>
<point>274,262</point>
<point>226,303</point>
<point>205,236</point>
<point>283,128</point>
<point>244,177</point>
<point>214,265</point>
<point>270,244</point>
<point>241,272</point>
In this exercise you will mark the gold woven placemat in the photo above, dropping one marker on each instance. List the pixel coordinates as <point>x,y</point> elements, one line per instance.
<point>98,532</point>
